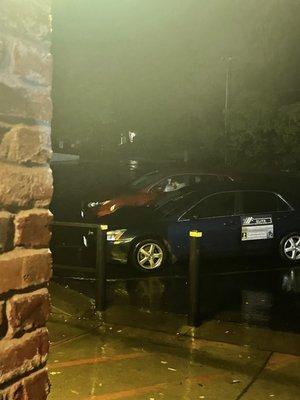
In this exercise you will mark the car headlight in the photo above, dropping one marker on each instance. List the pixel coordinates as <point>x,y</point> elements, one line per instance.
<point>113,208</point>
<point>93,204</point>
<point>113,236</point>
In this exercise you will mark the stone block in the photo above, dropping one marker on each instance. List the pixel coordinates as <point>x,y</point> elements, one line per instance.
<point>24,101</point>
<point>37,385</point>
<point>34,387</point>
<point>6,231</point>
<point>32,65</point>
<point>22,355</point>
<point>3,51</point>
<point>27,311</point>
<point>24,144</point>
<point>22,268</point>
<point>15,391</point>
<point>2,316</point>
<point>26,18</point>
<point>32,228</point>
<point>23,187</point>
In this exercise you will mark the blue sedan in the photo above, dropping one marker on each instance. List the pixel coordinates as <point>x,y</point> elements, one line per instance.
<point>235,221</point>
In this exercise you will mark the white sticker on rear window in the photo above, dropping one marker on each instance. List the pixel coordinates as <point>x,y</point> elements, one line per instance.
<point>257,228</point>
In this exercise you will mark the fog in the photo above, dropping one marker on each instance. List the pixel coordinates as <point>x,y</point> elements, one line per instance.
<point>158,67</point>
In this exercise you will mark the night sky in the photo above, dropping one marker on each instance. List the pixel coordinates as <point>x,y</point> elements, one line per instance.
<point>158,67</point>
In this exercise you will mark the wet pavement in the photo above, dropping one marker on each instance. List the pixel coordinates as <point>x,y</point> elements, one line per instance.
<point>261,292</point>
<point>130,353</point>
<point>247,346</point>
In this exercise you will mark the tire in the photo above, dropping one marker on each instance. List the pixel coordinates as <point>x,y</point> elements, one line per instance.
<point>149,255</point>
<point>290,247</point>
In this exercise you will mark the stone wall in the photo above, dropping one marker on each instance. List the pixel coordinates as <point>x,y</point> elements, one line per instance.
<point>25,193</point>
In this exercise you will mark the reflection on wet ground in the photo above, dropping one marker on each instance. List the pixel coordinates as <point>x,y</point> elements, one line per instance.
<point>90,360</point>
<point>256,291</point>
<point>105,368</point>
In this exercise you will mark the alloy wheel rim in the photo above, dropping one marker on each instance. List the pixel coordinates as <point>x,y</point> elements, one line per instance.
<point>150,256</point>
<point>292,248</point>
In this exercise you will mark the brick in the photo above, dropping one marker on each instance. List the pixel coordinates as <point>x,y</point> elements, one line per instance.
<point>37,385</point>
<point>22,355</point>
<point>22,268</point>
<point>32,228</point>
<point>31,64</point>
<point>32,20</point>
<point>16,391</point>
<point>19,101</point>
<point>25,144</point>
<point>27,311</point>
<point>2,317</point>
<point>34,387</point>
<point>22,186</point>
<point>6,231</point>
<point>2,51</point>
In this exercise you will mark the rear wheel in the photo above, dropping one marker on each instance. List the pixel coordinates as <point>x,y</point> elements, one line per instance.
<point>149,255</point>
<point>290,247</point>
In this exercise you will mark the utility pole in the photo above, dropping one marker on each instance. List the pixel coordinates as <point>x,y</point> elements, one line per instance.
<point>226,108</point>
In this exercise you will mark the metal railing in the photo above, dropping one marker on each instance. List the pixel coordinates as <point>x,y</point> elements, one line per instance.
<point>101,259</point>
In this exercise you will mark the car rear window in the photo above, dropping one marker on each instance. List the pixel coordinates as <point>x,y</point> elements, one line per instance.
<point>261,202</point>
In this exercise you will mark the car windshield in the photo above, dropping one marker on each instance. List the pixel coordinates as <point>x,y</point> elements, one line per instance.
<point>178,204</point>
<point>146,180</point>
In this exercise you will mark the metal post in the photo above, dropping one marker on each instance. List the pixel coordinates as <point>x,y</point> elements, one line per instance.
<point>226,109</point>
<point>101,253</point>
<point>194,279</point>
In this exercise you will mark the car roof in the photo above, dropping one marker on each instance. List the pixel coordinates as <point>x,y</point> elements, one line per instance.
<point>197,192</point>
<point>210,188</point>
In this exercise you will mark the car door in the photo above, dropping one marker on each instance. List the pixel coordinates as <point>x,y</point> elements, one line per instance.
<point>261,213</point>
<point>215,217</point>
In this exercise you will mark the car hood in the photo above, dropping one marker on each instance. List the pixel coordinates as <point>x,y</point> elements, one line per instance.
<point>112,205</point>
<point>132,217</point>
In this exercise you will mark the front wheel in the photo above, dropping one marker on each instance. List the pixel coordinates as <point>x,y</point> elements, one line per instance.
<point>149,255</point>
<point>290,247</point>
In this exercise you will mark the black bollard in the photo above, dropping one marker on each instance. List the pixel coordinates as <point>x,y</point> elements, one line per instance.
<point>194,279</point>
<point>101,259</point>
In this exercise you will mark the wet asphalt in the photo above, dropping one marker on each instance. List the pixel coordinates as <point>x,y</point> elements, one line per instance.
<point>257,291</point>
<point>129,353</point>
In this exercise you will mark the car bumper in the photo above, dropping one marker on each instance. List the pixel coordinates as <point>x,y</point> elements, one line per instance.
<point>119,251</point>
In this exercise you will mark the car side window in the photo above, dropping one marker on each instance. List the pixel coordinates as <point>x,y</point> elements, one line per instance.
<point>259,202</point>
<point>172,183</point>
<point>217,205</point>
